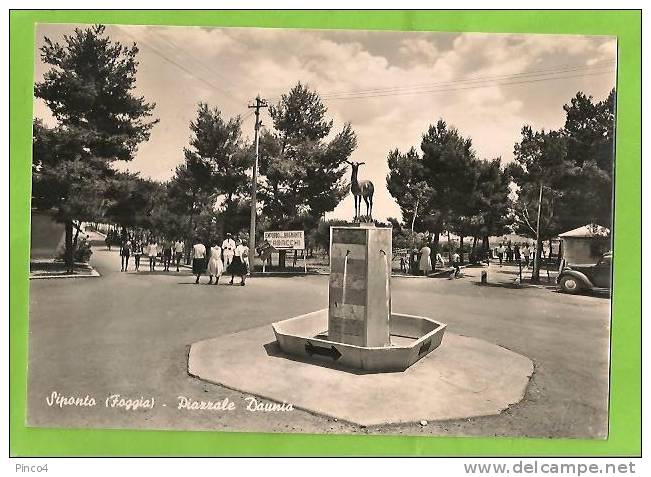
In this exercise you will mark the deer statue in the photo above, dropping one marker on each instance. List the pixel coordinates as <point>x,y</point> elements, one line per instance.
<point>361,189</point>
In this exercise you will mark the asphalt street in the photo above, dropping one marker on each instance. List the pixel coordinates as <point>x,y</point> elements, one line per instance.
<point>128,333</point>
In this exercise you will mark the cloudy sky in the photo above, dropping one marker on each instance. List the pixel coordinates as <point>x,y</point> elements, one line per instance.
<point>389,85</point>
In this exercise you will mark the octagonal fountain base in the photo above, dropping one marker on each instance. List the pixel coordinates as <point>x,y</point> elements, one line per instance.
<point>412,338</point>
<point>465,377</point>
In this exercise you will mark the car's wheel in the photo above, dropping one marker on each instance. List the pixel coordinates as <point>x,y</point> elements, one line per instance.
<point>570,285</point>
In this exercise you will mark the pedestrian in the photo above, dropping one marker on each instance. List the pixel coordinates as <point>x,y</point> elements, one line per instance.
<point>228,249</point>
<point>516,253</point>
<point>178,252</point>
<point>125,252</point>
<point>500,253</point>
<point>107,240</point>
<point>509,253</point>
<point>526,253</point>
<point>215,264</point>
<point>198,259</point>
<point>425,266</point>
<point>137,252</point>
<point>440,259</point>
<point>403,266</point>
<point>152,250</point>
<point>167,255</point>
<point>238,264</point>
<point>456,263</point>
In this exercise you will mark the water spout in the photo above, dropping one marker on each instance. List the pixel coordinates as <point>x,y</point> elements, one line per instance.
<point>343,286</point>
<point>387,261</point>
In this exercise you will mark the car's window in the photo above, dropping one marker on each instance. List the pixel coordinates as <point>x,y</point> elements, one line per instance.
<point>605,261</point>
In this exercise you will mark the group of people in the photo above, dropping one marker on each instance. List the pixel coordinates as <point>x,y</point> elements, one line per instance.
<point>212,260</point>
<point>420,261</point>
<point>524,253</point>
<point>164,251</point>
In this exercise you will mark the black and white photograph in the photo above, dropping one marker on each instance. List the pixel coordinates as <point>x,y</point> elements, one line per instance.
<point>321,231</point>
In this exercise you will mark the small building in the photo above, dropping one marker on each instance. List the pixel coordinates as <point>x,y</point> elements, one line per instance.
<point>585,244</point>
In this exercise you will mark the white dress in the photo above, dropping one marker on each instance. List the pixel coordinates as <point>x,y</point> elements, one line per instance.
<point>215,264</point>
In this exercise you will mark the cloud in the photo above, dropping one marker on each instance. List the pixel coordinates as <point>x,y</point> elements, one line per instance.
<point>389,85</point>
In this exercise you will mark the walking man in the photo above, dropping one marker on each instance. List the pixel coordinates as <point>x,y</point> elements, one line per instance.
<point>152,250</point>
<point>228,249</point>
<point>526,253</point>
<point>500,253</point>
<point>178,252</point>
<point>167,254</point>
<point>125,252</point>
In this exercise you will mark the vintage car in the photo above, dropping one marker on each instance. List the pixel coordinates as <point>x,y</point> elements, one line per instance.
<point>575,278</point>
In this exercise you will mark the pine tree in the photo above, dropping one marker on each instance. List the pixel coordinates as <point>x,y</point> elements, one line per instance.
<point>89,90</point>
<point>302,173</point>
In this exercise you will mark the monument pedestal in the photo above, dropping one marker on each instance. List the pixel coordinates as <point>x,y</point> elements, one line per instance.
<point>360,286</point>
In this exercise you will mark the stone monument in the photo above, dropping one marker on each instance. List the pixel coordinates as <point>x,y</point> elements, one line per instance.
<point>358,329</point>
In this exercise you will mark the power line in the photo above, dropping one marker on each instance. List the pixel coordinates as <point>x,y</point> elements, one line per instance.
<point>229,95</point>
<point>446,90</point>
<point>397,89</point>
<point>197,61</point>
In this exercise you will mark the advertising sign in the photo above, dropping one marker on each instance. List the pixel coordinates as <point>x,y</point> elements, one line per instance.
<point>286,239</point>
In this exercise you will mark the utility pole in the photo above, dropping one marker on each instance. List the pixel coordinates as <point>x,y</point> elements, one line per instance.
<point>259,103</point>
<point>536,257</point>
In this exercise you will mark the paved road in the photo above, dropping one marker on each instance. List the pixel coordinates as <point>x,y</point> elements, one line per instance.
<point>129,333</point>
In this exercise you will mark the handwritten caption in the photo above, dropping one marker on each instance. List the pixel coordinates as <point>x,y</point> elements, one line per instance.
<point>184,403</point>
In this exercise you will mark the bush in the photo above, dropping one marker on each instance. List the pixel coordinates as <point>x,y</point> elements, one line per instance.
<point>82,252</point>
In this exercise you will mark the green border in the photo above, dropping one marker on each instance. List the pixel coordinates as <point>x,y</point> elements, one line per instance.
<point>625,408</point>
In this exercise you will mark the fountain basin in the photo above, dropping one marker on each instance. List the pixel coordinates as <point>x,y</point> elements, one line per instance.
<point>411,338</point>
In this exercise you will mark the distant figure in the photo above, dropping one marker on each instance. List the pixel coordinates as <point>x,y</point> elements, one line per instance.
<point>500,253</point>
<point>215,264</point>
<point>456,262</point>
<point>228,249</point>
<point>198,259</point>
<point>425,266</point>
<point>526,253</point>
<point>152,250</point>
<point>238,265</point>
<point>125,252</point>
<point>137,253</point>
<point>516,252</point>
<point>413,261</point>
<point>179,246</point>
<point>167,255</point>
<point>403,265</point>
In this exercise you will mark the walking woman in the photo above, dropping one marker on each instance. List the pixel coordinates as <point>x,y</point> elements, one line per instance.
<point>238,265</point>
<point>198,259</point>
<point>215,264</point>
<point>425,266</point>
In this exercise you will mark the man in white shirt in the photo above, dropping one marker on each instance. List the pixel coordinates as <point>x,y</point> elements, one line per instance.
<point>228,249</point>
<point>152,251</point>
<point>500,253</point>
<point>178,252</point>
<point>198,259</point>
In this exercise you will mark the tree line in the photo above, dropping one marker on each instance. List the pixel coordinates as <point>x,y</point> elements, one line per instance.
<point>442,186</point>
<point>567,174</point>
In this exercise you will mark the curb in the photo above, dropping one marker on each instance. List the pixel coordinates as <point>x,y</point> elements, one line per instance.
<point>91,274</point>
